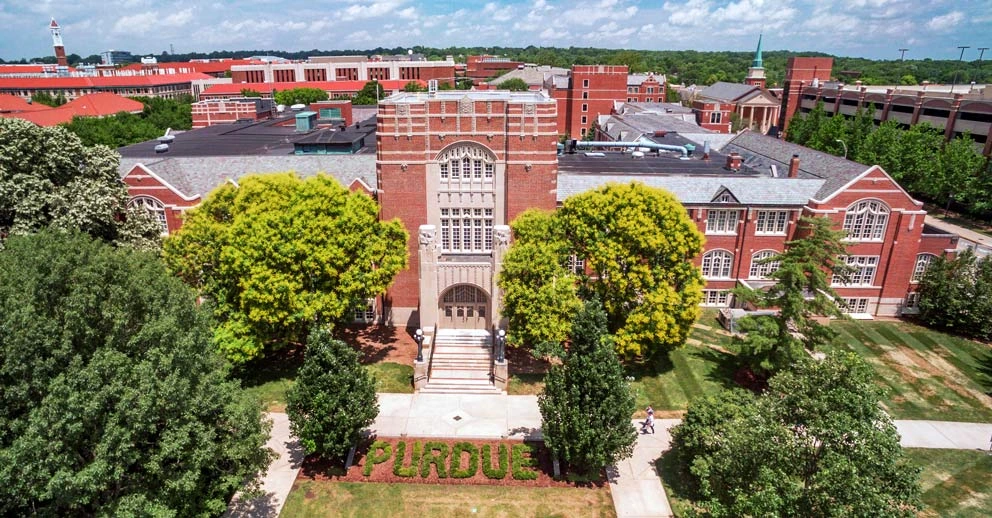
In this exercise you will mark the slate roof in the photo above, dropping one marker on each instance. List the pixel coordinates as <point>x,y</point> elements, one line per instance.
<point>761,151</point>
<point>637,79</point>
<point>701,190</point>
<point>530,75</point>
<point>200,175</point>
<point>630,126</point>
<point>721,91</point>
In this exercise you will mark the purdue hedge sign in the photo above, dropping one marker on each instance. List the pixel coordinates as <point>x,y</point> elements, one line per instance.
<point>455,460</point>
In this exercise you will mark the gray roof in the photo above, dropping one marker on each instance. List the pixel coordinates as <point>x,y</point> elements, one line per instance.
<point>200,175</point>
<point>637,79</point>
<point>761,152</point>
<point>530,75</point>
<point>629,127</point>
<point>560,82</point>
<point>701,190</point>
<point>475,95</point>
<point>722,91</point>
<point>660,108</point>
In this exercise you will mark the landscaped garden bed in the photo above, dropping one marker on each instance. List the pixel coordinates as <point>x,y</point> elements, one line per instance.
<point>449,461</point>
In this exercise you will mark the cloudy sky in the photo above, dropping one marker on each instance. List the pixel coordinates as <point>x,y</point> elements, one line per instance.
<point>870,28</point>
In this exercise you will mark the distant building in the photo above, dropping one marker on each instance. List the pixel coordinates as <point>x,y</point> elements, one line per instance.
<point>646,88</point>
<point>334,89</point>
<point>229,111</point>
<point>344,68</point>
<point>116,57</point>
<point>57,44</point>
<point>586,93</point>
<point>169,86</point>
<point>799,73</point>
<point>89,105</point>
<point>481,68</point>
<point>755,106</point>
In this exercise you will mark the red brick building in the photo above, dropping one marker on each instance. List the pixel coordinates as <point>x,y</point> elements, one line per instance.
<point>334,89</point>
<point>169,86</point>
<point>801,72</point>
<point>645,88</point>
<point>588,92</point>
<point>345,68</point>
<point>480,68</point>
<point>228,111</point>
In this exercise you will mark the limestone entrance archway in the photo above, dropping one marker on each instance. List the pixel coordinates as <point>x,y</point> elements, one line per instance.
<point>463,306</point>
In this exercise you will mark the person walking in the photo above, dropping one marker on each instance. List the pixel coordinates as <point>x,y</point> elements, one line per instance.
<point>648,423</point>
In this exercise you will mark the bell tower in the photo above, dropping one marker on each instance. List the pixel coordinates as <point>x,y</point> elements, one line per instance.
<point>756,73</point>
<point>57,43</point>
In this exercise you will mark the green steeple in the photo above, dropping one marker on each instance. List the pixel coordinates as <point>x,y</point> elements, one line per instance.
<point>757,55</point>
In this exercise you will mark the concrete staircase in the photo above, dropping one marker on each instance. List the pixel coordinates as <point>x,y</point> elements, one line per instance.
<point>461,363</point>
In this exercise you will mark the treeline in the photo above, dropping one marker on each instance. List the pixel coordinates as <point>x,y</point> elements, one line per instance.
<point>682,66</point>
<point>945,173</point>
<point>125,128</point>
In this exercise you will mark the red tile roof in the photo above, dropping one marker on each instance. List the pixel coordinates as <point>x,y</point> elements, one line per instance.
<point>12,103</point>
<point>328,86</point>
<point>58,83</point>
<point>52,117</point>
<point>23,69</point>
<point>101,104</point>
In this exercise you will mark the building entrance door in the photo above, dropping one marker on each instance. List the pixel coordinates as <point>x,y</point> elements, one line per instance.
<point>464,307</point>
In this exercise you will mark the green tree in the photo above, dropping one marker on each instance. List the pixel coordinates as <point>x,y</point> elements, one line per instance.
<point>114,402</point>
<point>801,291</point>
<point>48,178</point>
<point>414,86</point>
<point>249,92</point>
<point>637,242</point>
<point>370,94</point>
<point>48,99</point>
<point>908,80</point>
<point>514,84</point>
<point>540,293</point>
<point>278,254</point>
<point>586,403</point>
<point>632,58</point>
<point>816,444</point>
<point>956,295</point>
<point>333,399</point>
<point>300,96</point>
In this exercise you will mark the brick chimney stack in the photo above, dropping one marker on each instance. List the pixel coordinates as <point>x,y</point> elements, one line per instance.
<point>794,167</point>
<point>734,162</point>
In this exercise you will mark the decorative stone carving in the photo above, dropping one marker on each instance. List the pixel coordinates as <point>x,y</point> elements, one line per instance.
<point>501,235</point>
<point>428,235</point>
<point>529,109</point>
<point>465,105</point>
<point>403,109</point>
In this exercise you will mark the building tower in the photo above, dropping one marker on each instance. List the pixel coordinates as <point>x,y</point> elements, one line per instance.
<point>756,74</point>
<point>57,42</point>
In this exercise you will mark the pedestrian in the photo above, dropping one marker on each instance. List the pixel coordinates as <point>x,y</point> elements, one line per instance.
<point>648,423</point>
<point>649,410</point>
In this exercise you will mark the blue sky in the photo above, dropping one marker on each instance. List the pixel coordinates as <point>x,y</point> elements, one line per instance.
<point>869,28</point>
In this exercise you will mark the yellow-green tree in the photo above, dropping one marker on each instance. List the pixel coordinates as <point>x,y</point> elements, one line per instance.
<point>637,244</point>
<point>277,254</point>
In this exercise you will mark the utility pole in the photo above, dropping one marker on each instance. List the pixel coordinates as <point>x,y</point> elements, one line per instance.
<point>955,80</point>
<point>902,54</point>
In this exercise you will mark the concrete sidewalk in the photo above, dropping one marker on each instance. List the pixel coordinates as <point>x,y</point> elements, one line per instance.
<point>458,416</point>
<point>635,483</point>
<point>944,435</point>
<point>278,480</point>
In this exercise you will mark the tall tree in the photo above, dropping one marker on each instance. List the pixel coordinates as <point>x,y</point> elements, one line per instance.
<point>816,444</point>
<point>278,254</point>
<point>48,178</point>
<point>956,295</point>
<point>114,402</point>
<point>586,403</point>
<point>370,94</point>
<point>300,96</point>
<point>801,291</point>
<point>333,399</point>
<point>414,86</point>
<point>514,84</point>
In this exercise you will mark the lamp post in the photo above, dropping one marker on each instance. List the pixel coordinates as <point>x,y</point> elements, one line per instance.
<point>419,337</point>
<point>960,57</point>
<point>845,147</point>
<point>500,346</point>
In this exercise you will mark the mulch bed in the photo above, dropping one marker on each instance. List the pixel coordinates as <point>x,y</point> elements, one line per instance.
<point>315,468</point>
<point>377,343</point>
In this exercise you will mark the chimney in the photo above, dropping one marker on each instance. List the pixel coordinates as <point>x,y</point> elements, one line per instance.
<point>734,162</point>
<point>794,167</point>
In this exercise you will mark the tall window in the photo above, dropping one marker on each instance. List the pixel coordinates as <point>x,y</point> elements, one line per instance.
<point>721,221</point>
<point>865,220</point>
<point>922,263</point>
<point>771,222</point>
<point>854,305</point>
<point>863,273</point>
<point>466,230</point>
<point>717,264</point>
<point>760,268</point>
<point>466,164</point>
<point>155,208</point>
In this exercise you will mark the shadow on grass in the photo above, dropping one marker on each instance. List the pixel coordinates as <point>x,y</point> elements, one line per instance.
<point>983,365</point>
<point>648,367</point>
<point>678,485</point>
<point>279,365</point>
<point>727,367</point>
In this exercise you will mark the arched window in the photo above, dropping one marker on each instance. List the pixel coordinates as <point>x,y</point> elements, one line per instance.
<point>154,207</point>
<point>717,264</point>
<point>922,263</point>
<point>466,163</point>
<point>760,268</point>
<point>865,220</point>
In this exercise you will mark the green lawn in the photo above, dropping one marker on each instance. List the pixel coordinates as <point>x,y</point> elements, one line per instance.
<point>373,500</point>
<point>270,386</point>
<point>926,374</point>
<point>956,483</point>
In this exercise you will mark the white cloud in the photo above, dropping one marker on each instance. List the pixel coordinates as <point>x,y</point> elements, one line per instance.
<point>946,22</point>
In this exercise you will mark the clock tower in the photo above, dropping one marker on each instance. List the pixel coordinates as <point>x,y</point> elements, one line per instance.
<point>57,43</point>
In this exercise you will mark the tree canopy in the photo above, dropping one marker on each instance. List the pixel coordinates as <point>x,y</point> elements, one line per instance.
<point>300,96</point>
<point>514,84</point>
<point>370,94</point>
<point>956,295</point>
<point>637,243</point>
<point>126,128</point>
<point>277,255</point>
<point>49,179</point>
<point>114,402</point>
<point>816,444</point>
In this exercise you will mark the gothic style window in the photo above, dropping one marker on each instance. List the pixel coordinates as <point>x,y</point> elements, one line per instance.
<point>155,208</point>
<point>865,220</point>
<point>466,230</point>
<point>717,264</point>
<point>922,263</point>
<point>761,269</point>
<point>466,164</point>
<point>863,271</point>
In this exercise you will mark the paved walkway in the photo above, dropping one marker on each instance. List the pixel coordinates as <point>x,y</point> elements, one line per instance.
<point>278,480</point>
<point>635,484</point>
<point>983,242</point>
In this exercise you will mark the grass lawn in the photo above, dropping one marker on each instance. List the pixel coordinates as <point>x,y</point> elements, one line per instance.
<point>926,374</point>
<point>371,500</point>
<point>955,482</point>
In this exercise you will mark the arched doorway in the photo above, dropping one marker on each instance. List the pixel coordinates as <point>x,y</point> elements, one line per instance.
<point>464,307</point>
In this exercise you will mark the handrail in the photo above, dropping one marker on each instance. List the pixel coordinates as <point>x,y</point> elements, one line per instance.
<point>430,358</point>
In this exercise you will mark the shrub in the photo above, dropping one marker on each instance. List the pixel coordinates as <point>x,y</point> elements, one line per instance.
<point>519,462</point>
<point>456,460</point>
<point>374,457</point>
<point>406,471</point>
<point>437,459</point>
<point>487,461</point>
